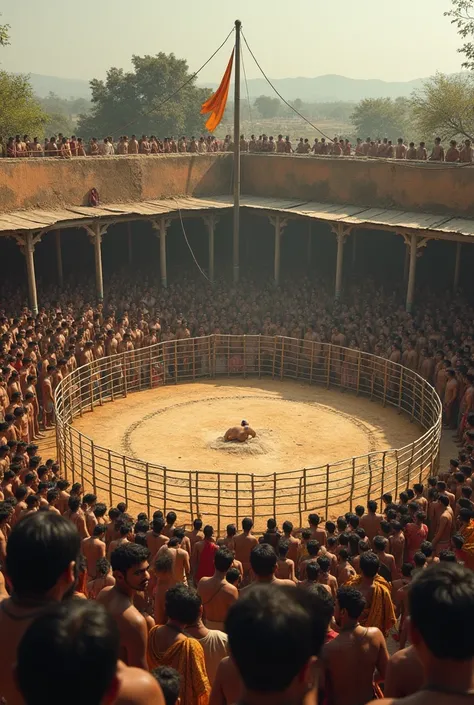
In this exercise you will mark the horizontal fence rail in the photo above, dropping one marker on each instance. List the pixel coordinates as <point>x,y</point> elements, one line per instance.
<point>223,497</point>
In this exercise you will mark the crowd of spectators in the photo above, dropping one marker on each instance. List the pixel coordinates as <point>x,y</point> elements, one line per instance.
<point>97,605</point>
<point>68,147</point>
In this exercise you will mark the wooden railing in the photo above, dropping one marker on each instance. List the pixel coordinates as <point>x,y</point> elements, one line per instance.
<point>223,497</point>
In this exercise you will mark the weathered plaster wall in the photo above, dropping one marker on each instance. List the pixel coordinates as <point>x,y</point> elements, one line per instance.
<point>54,183</point>
<point>400,185</point>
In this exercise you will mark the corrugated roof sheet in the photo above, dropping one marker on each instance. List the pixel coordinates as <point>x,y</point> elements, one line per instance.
<point>38,219</point>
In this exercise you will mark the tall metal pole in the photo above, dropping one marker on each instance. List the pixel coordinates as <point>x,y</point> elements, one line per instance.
<point>236,230</point>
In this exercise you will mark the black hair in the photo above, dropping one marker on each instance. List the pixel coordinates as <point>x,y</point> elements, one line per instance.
<point>324,563</point>
<point>82,640</point>
<point>352,601</point>
<point>170,683</point>
<point>128,555</point>
<point>102,567</point>
<point>313,570</point>
<point>419,559</point>
<point>163,563</point>
<point>369,564</point>
<point>197,524</point>
<point>50,544</point>
<point>182,603</point>
<point>233,575</point>
<point>259,623</point>
<point>441,602</point>
<point>447,556</point>
<point>263,560</point>
<point>223,559</point>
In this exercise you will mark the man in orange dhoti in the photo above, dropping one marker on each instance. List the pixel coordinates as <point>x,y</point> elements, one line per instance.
<point>379,611</point>
<point>169,646</point>
<point>466,529</point>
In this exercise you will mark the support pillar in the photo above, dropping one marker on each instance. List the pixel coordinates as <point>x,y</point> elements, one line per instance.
<point>96,231</point>
<point>341,231</point>
<point>457,266</point>
<point>411,273</point>
<point>59,258</point>
<point>161,226</point>
<point>279,224</point>
<point>29,249</point>
<point>129,242</point>
<point>211,222</point>
<point>407,263</point>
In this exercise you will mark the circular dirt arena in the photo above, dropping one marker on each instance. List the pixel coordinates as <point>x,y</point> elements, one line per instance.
<point>297,425</point>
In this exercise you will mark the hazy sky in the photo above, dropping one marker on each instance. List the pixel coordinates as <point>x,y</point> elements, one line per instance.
<point>357,38</point>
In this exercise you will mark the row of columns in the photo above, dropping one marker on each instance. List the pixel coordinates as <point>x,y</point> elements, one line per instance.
<point>414,248</point>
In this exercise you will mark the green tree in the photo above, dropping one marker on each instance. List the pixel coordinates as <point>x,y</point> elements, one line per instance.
<point>381,117</point>
<point>462,16</point>
<point>4,34</point>
<point>132,101</point>
<point>21,112</point>
<point>444,106</point>
<point>59,122</point>
<point>267,107</point>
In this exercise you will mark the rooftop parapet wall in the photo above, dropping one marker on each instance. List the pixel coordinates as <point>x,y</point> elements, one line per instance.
<point>408,186</point>
<point>49,183</point>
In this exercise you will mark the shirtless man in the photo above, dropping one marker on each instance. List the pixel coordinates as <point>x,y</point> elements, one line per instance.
<point>244,543</point>
<point>380,544</point>
<point>263,562</point>
<point>196,534</point>
<point>180,558</point>
<point>162,580</point>
<point>130,569</point>
<point>356,653</point>
<point>437,155</point>
<point>240,433</point>
<point>124,536</point>
<point>285,566</point>
<point>48,400</point>
<point>344,570</point>
<point>447,591</point>
<point>370,522</point>
<point>466,153</point>
<point>452,155</point>
<point>324,577</point>
<point>216,593</point>
<point>52,546</point>
<point>154,538</point>
<point>103,578</point>
<point>442,538</point>
<point>75,514</point>
<point>93,549</point>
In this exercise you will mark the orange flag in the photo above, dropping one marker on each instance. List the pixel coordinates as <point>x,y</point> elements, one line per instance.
<point>218,100</point>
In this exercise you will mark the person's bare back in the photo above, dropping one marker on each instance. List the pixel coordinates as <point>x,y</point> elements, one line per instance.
<point>92,549</point>
<point>217,597</point>
<point>350,662</point>
<point>132,626</point>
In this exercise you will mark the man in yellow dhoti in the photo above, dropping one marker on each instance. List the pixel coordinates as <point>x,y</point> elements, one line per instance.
<point>168,645</point>
<point>466,529</point>
<point>379,611</point>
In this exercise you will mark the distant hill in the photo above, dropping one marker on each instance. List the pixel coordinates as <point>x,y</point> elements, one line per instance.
<point>63,87</point>
<point>320,89</point>
<point>329,88</point>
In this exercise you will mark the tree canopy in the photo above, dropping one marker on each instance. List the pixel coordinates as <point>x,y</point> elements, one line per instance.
<point>132,101</point>
<point>4,34</point>
<point>267,107</point>
<point>444,107</point>
<point>21,112</point>
<point>381,117</point>
<point>462,16</point>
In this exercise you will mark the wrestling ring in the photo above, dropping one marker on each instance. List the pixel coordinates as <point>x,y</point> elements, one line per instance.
<point>224,496</point>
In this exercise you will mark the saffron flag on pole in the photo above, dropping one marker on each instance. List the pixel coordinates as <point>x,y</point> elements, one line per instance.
<point>218,100</point>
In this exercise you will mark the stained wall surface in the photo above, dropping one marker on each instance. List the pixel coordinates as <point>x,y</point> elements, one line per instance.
<point>54,183</point>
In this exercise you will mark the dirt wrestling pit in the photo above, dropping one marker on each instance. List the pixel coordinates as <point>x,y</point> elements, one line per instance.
<point>297,426</point>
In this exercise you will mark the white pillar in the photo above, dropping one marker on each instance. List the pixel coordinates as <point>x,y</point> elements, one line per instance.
<point>412,272</point>
<point>457,265</point>
<point>339,262</point>
<point>96,233</point>
<point>29,250</point>
<point>59,258</point>
<point>163,272</point>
